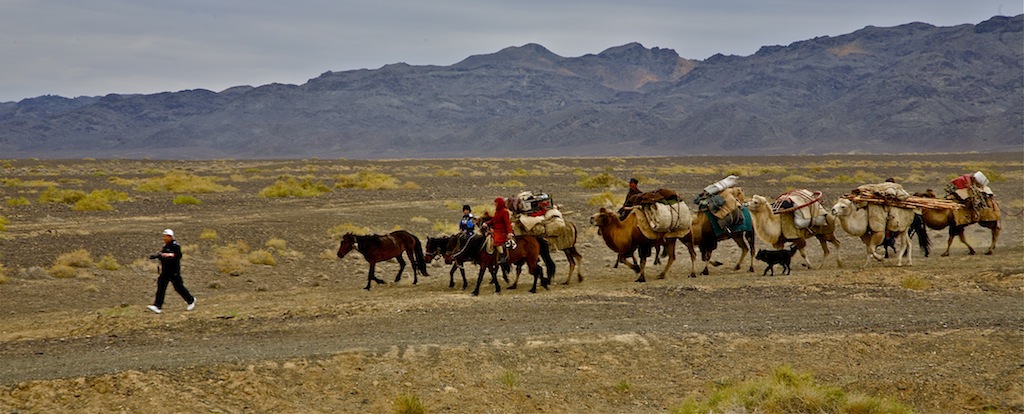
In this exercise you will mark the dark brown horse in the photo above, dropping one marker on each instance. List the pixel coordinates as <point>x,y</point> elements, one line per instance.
<point>445,247</point>
<point>377,248</point>
<point>529,250</point>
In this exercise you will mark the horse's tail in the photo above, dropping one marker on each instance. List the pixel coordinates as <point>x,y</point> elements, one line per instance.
<point>918,226</point>
<point>421,262</point>
<point>545,254</point>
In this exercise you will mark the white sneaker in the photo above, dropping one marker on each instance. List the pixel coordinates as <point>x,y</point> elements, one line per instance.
<point>154,308</point>
<point>191,305</point>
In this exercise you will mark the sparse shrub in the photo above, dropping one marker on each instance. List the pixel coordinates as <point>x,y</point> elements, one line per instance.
<point>79,258</point>
<point>606,198</point>
<point>796,178</point>
<point>420,220</point>
<point>232,258</point>
<point>623,386</point>
<point>126,182</point>
<point>62,271</point>
<point>56,195</point>
<point>263,257</point>
<point>178,182</point>
<point>290,186</point>
<point>409,185</point>
<point>369,180</point>
<point>451,172</point>
<point>409,404</point>
<point>602,180</point>
<point>3,223</point>
<point>17,182</point>
<point>509,378</point>
<point>915,283</point>
<point>18,201</point>
<point>786,391</point>
<point>276,244</point>
<point>337,231</point>
<point>686,170</point>
<point>445,227</point>
<point>107,262</point>
<point>508,183</point>
<point>185,199</point>
<point>208,234</point>
<point>3,274</point>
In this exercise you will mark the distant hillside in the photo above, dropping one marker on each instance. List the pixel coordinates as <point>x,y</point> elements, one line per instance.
<point>911,88</point>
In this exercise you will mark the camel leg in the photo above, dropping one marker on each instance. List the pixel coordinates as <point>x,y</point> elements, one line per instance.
<point>995,236</point>
<point>693,259</point>
<point>963,238</point>
<point>671,246</point>
<point>871,242</point>
<point>905,250</point>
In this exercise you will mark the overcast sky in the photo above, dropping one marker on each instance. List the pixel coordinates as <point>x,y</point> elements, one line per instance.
<point>95,47</point>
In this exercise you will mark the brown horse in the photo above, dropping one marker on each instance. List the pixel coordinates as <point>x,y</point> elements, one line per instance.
<point>445,247</point>
<point>624,238</point>
<point>702,234</point>
<point>938,219</point>
<point>377,248</point>
<point>528,250</point>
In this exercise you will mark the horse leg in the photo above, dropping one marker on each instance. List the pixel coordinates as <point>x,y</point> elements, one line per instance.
<point>462,270</point>
<point>538,274</point>
<point>401,267</point>
<point>578,260</point>
<point>479,280</point>
<point>748,248</point>
<point>415,265</point>
<point>494,279</point>
<point>706,257</point>
<point>451,276</point>
<point>370,277</point>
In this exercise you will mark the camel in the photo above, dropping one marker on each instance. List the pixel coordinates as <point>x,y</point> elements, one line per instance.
<point>703,236</point>
<point>768,227</point>
<point>855,221</point>
<point>624,237</point>
<point>938,219</point>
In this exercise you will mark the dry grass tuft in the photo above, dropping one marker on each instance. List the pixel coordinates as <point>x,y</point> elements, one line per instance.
<point>290,186</point>
<point>409,404</point>
<point>107,262</point>
<point>178,182</point>
<point>603,180</point>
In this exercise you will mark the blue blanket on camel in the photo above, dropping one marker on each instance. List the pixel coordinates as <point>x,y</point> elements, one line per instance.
<point>746,225</point>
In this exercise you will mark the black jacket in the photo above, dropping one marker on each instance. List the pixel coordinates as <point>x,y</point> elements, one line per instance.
<point>171,265</point>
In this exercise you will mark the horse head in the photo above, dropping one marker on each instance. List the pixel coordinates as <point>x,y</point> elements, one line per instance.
<point>348,241</point>
<point>435,247</point>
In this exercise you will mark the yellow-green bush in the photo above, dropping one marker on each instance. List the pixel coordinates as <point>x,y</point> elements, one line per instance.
<point>179,182</point>
<point>80,258</point>
<point>3,223</point>
<point>263,257</point>
<point>232,258</point>
<point>99,200</point>
<point>409,404</point>
<point>276,244</point>
<point>17,182</point>
<point>57,195</point>
<point>369,180</point>
<point>18,201</point>
<point>786,391</point>
<point>208,234</point>
<point>606,198</point>
<point>186,199</point>
<point>107,262</point>
<point>337,231</point>
<point>602,180</point>
<point>294,187</point>
<point>3,274</point>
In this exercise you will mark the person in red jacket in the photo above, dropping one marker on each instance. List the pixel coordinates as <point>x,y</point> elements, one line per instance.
<point>501,228</point>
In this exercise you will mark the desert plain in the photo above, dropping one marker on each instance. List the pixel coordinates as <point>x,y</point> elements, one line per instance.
<point>283,325</point>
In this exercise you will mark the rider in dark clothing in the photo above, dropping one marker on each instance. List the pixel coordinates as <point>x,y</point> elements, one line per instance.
<point>170,271</point>
<point>466,225</point>
<point>631,197</point>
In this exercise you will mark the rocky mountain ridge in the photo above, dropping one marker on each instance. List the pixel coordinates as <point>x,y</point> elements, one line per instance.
<point>910,88</point>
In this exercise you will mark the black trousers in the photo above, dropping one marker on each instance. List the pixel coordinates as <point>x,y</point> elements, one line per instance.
<point>179,286</point>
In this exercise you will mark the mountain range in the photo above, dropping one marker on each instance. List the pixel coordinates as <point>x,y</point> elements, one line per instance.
<point>910,88</point>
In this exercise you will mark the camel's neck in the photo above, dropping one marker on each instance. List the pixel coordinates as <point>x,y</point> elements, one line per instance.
<point>617,233</point>
<point>767,224</point>
<point>855,223</point>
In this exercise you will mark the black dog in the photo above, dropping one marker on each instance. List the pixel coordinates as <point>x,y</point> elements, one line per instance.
<point>773,257</point>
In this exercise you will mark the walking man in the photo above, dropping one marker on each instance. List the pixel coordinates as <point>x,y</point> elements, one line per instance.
<point>170,271</point>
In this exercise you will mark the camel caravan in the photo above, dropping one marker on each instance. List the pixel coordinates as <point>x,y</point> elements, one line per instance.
<point>879,214</point>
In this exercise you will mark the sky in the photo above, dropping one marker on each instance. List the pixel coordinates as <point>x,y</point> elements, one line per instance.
<point>77,48</point>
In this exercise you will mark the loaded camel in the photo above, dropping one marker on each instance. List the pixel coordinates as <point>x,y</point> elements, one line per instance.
<point>624,237</point>
<point>702,235</point>
<point>768,227</point>
<point>870,224</point>
<point>938,219</point>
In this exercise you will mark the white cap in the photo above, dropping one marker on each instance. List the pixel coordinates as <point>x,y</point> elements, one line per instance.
<point>169,232</point>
